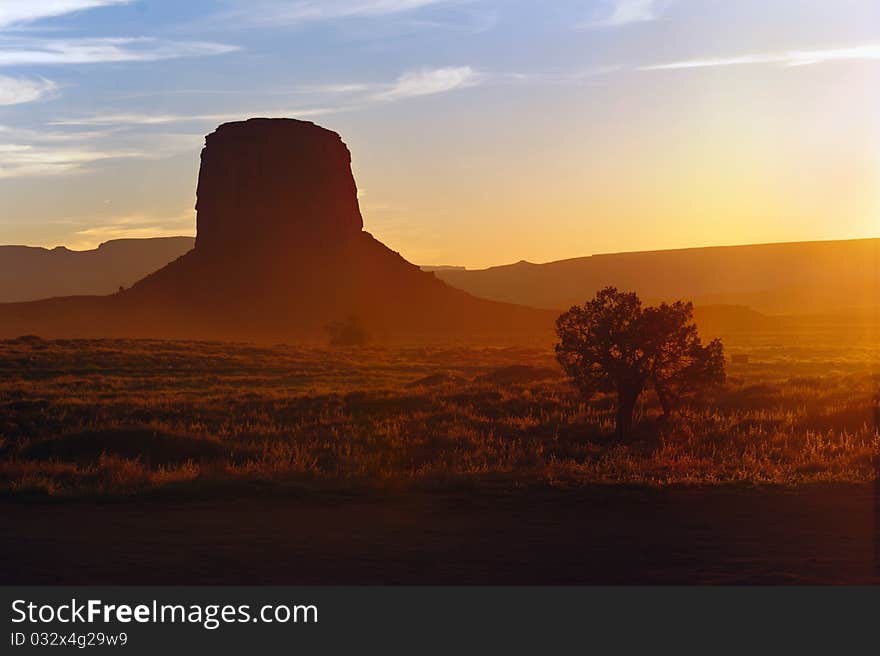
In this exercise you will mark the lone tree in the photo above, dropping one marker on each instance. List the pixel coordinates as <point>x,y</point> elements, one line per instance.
<point>613,344</point>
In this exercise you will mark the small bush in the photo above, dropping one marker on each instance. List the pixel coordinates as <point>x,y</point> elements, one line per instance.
<point>348,332</point>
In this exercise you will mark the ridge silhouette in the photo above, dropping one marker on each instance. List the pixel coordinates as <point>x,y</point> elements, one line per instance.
<point>31,273</point>
<point>280,252</point>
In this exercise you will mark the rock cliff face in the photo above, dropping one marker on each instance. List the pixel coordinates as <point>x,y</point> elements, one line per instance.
<point>280,252</point>
<point>266,184</point>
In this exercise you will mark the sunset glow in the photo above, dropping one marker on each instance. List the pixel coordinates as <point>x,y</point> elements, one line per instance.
<point>482,132</point>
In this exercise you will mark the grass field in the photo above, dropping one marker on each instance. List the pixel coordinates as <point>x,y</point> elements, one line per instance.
<point>117,417</point>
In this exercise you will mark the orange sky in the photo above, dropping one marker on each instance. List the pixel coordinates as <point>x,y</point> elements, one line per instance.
<point>482,132</point>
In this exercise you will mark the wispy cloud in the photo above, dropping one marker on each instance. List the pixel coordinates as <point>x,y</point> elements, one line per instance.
<point>166,119</point>
<point>426,82</point>
<point>133,119</point>
<point>275,13</point>
<point>24,160</point>
<point>618,13</point>
<point>133,134</point>
<point>580,77</point>
<point>25,135</point>
<point>28,50</point>
<point>26,153</point>
<point>869,52</point>
<point>326,89</point>
<point>340,89</point>
<point>21,52</point>
<point>138,226</point>
<point>18,90</point>
<point>17,12</point>
<point>423,82</point>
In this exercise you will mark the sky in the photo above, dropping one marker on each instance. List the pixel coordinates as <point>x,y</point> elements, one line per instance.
<point>482,132</point>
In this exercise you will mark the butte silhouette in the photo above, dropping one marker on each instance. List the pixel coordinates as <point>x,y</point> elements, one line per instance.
<point>280,252</point>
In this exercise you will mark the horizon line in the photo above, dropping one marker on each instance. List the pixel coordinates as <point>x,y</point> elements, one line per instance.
<point>495,266</point>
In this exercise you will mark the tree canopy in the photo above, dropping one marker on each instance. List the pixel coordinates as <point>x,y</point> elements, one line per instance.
<point>613,344</point>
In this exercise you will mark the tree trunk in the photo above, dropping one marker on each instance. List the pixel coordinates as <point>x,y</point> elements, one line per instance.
<point>666,405</point>
<point>626,405</point>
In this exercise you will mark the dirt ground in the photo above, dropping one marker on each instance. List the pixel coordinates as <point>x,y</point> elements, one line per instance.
<point>814,534</point>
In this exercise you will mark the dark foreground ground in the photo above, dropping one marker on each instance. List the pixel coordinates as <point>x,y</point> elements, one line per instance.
<point>603,535</point>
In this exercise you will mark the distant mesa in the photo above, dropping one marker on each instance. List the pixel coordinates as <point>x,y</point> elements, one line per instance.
<point>280,252</point>
<point>28,273</point>
<point>828,277</point>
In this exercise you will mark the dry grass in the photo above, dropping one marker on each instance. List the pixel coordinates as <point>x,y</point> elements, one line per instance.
<point>117,417</point>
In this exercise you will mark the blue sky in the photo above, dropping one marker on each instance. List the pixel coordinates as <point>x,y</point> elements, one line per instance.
<point>482,132</point>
